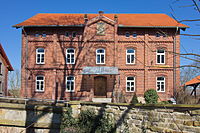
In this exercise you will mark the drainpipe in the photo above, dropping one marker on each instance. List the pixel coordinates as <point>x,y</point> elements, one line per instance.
<point>174,63</point>
<point>26,62</point>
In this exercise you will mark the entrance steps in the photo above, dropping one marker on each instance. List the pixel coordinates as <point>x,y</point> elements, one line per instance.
<point>102,100</point>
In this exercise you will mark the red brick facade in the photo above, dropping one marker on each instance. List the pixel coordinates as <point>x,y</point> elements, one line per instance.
<point>145,69</point>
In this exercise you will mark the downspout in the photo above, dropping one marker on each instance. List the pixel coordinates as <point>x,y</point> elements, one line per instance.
<point>26,62</point>
<point>174,63</point>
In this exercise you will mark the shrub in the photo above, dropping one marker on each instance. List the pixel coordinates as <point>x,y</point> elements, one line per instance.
<point>134,99</point>
<point>151,96</point>
<point>86,122</point>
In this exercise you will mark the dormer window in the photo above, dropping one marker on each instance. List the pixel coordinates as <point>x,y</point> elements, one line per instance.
<point>101,28</point>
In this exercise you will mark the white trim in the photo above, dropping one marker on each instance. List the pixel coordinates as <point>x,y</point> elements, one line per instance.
<point>40,54</point>
<point>130,85</point>
<point>162,81</point>
<point>70,54</point>
<point>160,54</point>
<point>130,55</point>
<point>100,54</point>
<point>40,83</point>
<point>66,90</point>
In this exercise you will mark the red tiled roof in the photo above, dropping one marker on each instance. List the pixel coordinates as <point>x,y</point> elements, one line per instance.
<point>195,80</point>
<point>136,20</point>
<point>3,54</point>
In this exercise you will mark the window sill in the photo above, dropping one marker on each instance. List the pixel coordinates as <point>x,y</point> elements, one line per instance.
<point>70,91</point>
<point>40,64</point>
<point>39,91</point>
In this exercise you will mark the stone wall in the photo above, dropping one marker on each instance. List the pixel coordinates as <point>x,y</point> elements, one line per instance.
<point>44,117</point>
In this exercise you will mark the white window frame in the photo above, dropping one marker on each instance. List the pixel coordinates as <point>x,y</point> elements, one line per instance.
<point>70,84</point>
<point>40,82</point>
<point>160,82</point>
<point>67,34</point>
<point>101,54</point>
<point>130,54</point>
<point>70,54</point>
<point>160,54</point>
<point>40,56</point>
<point>130,81</point>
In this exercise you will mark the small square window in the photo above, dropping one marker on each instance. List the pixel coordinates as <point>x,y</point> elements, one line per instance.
<point>44,35</point>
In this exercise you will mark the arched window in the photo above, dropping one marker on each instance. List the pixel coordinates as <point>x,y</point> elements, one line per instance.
<point>130,56</point>
<point>39,83</point>
<point>134,34</point>
<point>70,56</point>
<point>160,84</point>
<point>100,56</point>
<point>130,84</point>
<point>40,55</point>
<point>160,56</point>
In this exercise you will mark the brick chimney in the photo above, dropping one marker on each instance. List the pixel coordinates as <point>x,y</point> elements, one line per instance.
<point>85,18</point>
<point>101,13</point>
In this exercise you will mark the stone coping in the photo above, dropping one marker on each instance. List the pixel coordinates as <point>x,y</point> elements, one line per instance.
<point>61,107</point>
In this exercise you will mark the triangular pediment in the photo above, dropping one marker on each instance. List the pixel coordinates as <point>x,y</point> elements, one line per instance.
<point>100,18</point>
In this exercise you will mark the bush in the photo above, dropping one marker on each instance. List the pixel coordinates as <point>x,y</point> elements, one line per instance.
<point>86,122</point>
<point>134,99</point>
<point>151,96</point>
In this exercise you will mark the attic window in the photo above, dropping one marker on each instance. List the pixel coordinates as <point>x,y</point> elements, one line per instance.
<point>73,34</point>
<point>127,34</point>
<point>134,34</point>
<point>67,34</point>
<point>44,34</point>
<point>158,34</point>
<point>101,28</point>
<point>37,34</point>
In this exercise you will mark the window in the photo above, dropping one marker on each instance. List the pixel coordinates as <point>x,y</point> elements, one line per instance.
<point>40,56</point>
<point>73,34</point>
<point>127,34</point>
<point>160,56</point>
<point>100,28</point>
<point>39,83</point>
<point>158,34</point>
<point>67,34</point>
<point>37,35</point>
<point>70,83</point>
<point>44,34</point>
<point>161,84</point>
<point>130,84</point>
<point>70,53</point>
<point>134,35</point>
<point>130,56</point>
<point>100,56</point>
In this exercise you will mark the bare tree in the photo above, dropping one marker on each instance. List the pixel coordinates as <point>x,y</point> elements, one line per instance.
<point>14,83</point>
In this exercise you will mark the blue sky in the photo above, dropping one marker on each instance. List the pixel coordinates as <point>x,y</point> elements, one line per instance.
<point>16,11</point>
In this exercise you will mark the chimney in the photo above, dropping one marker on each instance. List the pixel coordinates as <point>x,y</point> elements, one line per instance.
<point>85,18</point>
<point>101,13</point>
<point>116,18</point>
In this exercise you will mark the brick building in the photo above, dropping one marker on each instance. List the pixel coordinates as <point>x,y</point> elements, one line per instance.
<point>5,67</point>
<point>90,56</point>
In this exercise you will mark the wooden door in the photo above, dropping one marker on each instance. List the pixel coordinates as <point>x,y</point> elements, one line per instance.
<point>100,86</point>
